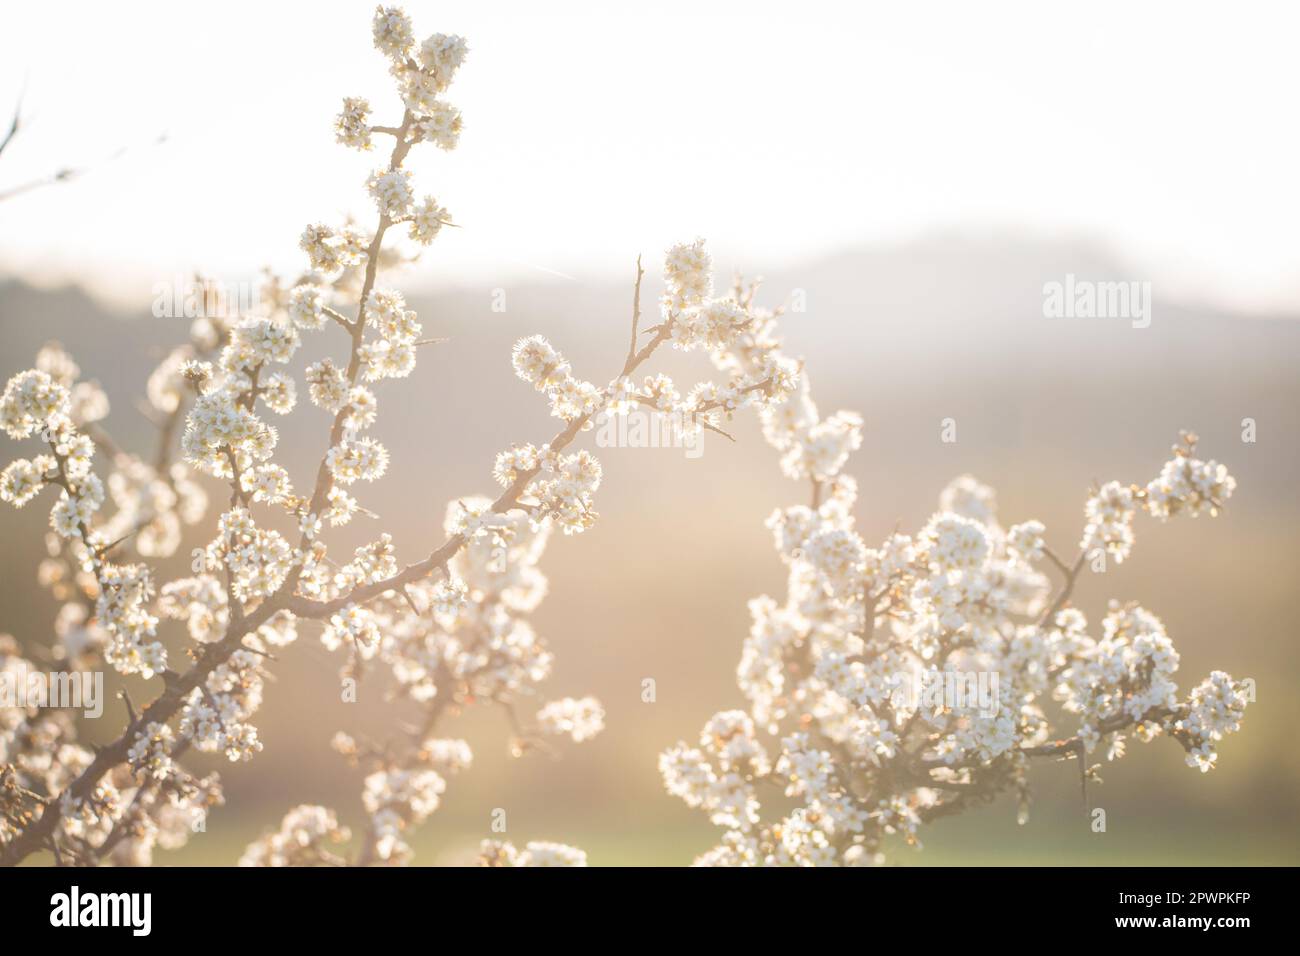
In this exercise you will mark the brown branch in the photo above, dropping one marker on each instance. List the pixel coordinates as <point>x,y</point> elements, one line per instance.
<point>1071,573</point>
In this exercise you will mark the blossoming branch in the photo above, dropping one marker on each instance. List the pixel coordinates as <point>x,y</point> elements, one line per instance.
<point>450,628</point>
<point>821,670</point>
<point>826,670</point>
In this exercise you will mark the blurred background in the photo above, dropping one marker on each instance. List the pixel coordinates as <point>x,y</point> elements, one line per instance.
<point>915,176</point>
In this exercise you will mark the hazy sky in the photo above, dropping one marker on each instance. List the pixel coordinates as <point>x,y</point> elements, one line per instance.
<point>595,131</point>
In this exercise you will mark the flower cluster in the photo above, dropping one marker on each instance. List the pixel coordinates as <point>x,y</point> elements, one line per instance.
<point>535,853</point>
<point>561,485</point>
<point>215,718</point>
<point>305,838</point>
<point>41,403</point>
<point>422,73</point>
<point>579,719</point>
<point>1185,485</point>
<point>962,608</point>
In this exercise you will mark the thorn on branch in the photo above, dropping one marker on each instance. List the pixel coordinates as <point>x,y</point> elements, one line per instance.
<point>103,550</point>
<point>130,708</point>
<point>636,316</point>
